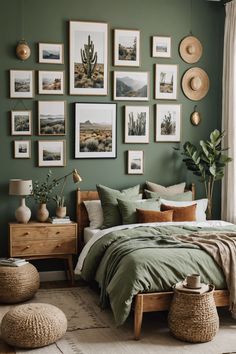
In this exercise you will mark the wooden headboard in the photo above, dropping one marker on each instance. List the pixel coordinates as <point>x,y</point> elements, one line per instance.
<point>81,212</point>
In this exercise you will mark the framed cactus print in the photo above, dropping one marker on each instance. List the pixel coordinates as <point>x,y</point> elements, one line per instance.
<point>137,124</point>
<point>95,130</point>
<point>88,58</point>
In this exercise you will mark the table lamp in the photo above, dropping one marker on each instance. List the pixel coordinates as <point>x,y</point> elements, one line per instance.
<point>21,188</point>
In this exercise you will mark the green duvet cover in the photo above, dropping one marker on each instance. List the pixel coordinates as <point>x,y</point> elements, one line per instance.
<point>146,259</point>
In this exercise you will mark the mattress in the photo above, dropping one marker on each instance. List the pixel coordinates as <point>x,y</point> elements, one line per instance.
<point>89,233</point>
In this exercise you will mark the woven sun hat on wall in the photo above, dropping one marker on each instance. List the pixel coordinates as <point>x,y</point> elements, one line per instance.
<point>190,49</point>
<point>33,325</point>
<point>195,83</point>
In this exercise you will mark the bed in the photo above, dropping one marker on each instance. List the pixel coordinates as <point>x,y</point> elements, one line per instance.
<point>142,301</point>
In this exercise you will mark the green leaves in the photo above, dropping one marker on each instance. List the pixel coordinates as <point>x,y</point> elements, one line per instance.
<point>42,191</point>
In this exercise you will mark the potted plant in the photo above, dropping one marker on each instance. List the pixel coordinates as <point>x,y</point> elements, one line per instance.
<point>61,208</point>
<point>42,193</point>
<point>207,161</point>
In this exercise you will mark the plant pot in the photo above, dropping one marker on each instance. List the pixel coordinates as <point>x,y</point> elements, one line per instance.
<point>42,213</point>
<point>61,212</point>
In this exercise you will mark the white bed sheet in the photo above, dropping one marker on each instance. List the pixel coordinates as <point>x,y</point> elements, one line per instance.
<point>100,233</point>
<point>89,233</point>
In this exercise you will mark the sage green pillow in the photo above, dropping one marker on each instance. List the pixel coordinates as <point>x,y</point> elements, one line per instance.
<point>181,197</point>
<point>108,197</point>
<point>128,208</point>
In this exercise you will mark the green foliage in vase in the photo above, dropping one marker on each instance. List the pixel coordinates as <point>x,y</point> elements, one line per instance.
<point>42,191</point>
<point>60,200</point>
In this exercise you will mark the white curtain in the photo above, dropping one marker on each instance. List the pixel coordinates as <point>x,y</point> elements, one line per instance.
<point>228,201</point>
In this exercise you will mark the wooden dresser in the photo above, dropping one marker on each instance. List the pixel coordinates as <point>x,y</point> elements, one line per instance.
<point>44,240</point>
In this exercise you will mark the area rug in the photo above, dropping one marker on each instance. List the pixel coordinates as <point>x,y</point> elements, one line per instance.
<point>92,331</point>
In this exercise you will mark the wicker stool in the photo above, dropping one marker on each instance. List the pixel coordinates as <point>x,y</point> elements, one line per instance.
<point>193,317</point>
<point>33,325</point>
<point>18,283</point>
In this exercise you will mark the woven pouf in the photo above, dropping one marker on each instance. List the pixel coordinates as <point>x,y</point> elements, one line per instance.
<point>33,325</point>
<point>193,317</point>
<point>18,283</point>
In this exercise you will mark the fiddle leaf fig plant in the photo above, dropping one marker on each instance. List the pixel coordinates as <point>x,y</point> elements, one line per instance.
<point>207,161</point>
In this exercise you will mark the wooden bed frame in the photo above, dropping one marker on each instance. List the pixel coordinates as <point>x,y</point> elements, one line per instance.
<point>143,302</point>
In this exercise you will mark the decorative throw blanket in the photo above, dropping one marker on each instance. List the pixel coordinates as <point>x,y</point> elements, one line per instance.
<point>222,248</point>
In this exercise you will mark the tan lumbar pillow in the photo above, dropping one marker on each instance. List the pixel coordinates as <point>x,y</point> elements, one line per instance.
<point>171,190</point>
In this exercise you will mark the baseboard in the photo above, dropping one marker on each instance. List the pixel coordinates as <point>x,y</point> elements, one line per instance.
<point>52,276</point>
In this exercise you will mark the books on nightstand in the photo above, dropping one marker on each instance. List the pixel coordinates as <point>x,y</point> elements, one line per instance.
<point>12,262</point>
<point>55,220</point>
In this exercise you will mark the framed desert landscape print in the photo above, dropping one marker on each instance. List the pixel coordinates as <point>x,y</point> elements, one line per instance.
<point>161,47</point>
<point>51,153</point>
<point>51,82</point>
<point>22,149</point>
<point>135,162</point>
<point>21,122</point>
<point>88,58</point>
<point>168,122</point>
<point>126,47</point>
<point>21,83</point>
<point>51,118</point>
<point>131,85</point>
<point>51,53</point>
<point>166,82</point>
<point>95,130</point>
<point>136,124</point>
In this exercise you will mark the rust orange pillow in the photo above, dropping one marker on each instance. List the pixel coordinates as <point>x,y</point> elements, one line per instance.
<point>187,213</point>
<point>154,216</point>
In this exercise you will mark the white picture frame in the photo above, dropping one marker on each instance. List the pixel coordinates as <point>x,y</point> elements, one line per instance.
<point>50,82</point>
<point>51,53</point>
<point>21,84</point>
<point>131,85</point>
<point>94,81</point>
<point>22,149</point>
<point>21,122</point>
<point>137,124</point>
<point>161,47</point>
<point>99,119</point>
<point>168,122</point>
<point>135,162</point>
<point>52,118</point>
<point>166,80</point>
<point>51,153</point>
<point>126,47</point>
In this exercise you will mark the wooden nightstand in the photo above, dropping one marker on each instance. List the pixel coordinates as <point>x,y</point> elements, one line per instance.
<point>44,240</point>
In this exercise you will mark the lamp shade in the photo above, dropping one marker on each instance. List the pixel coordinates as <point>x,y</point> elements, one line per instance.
<point>76,177</point>
<point>20,187</point>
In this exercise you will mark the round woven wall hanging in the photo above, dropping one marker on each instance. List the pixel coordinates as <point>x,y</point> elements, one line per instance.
<point>190,49</point>
<point>195,83</point>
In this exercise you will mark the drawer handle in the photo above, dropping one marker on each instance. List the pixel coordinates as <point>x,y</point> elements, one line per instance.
<point>57,232</point>
<point>59,245</point>
<point>26,233</point>
<point>27,247</point>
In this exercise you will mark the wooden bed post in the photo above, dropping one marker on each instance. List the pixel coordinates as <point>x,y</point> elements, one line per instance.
<point>138,316</point>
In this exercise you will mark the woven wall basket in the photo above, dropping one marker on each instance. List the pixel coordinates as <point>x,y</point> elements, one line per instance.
<point>193,317</point>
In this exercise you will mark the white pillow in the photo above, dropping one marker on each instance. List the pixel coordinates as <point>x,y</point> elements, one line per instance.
<point>95,213</point>
<point>175,189</point>
<point>200,210</point>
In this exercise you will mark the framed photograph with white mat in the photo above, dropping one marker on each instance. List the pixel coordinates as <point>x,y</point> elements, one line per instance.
<point>51,53</point>
<point>126,47</point>
<point>88,58</point>
<point>95,130</point>
<point>135,162</point>
<point>166,81</point>
<point>131,85</point>
<point>22,149</point>
<point>21,122</point>
<point>21,83</point>
<point>161,47</point>
<point>52,118</point>
<point>137,124</point>
<point>168,122</point>
<point>51,82</point>
<point>51,153</point>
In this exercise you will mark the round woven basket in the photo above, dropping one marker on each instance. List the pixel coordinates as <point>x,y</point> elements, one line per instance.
<point>33,325</point>
<point>193,317</point>
<point>18,283</point>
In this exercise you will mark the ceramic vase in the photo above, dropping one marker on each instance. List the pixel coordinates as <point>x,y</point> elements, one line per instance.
<point>61,212</point>
<point>42,213</point>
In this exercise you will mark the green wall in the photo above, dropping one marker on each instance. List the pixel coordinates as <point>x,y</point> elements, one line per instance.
<point>47,21</point>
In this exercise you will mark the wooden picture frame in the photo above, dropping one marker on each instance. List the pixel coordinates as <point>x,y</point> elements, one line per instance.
<point>52,118</point>
<point>22,149</point>
<point>137,124</point>
<point>126,47</point>
<point>89,79</point>
<point>135,162</point>
<point>21,84</point>
<point>166,81</point>
<point>51,153</point>
<point>51,82</point>
<point>161,47</point>
<point>131,85</point>
<point>51,53</point>
<point>21,122</point>
<point>168,122</point>
<point>95,130</point>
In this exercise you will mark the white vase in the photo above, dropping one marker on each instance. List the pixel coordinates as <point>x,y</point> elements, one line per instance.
<point>61,212</point>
